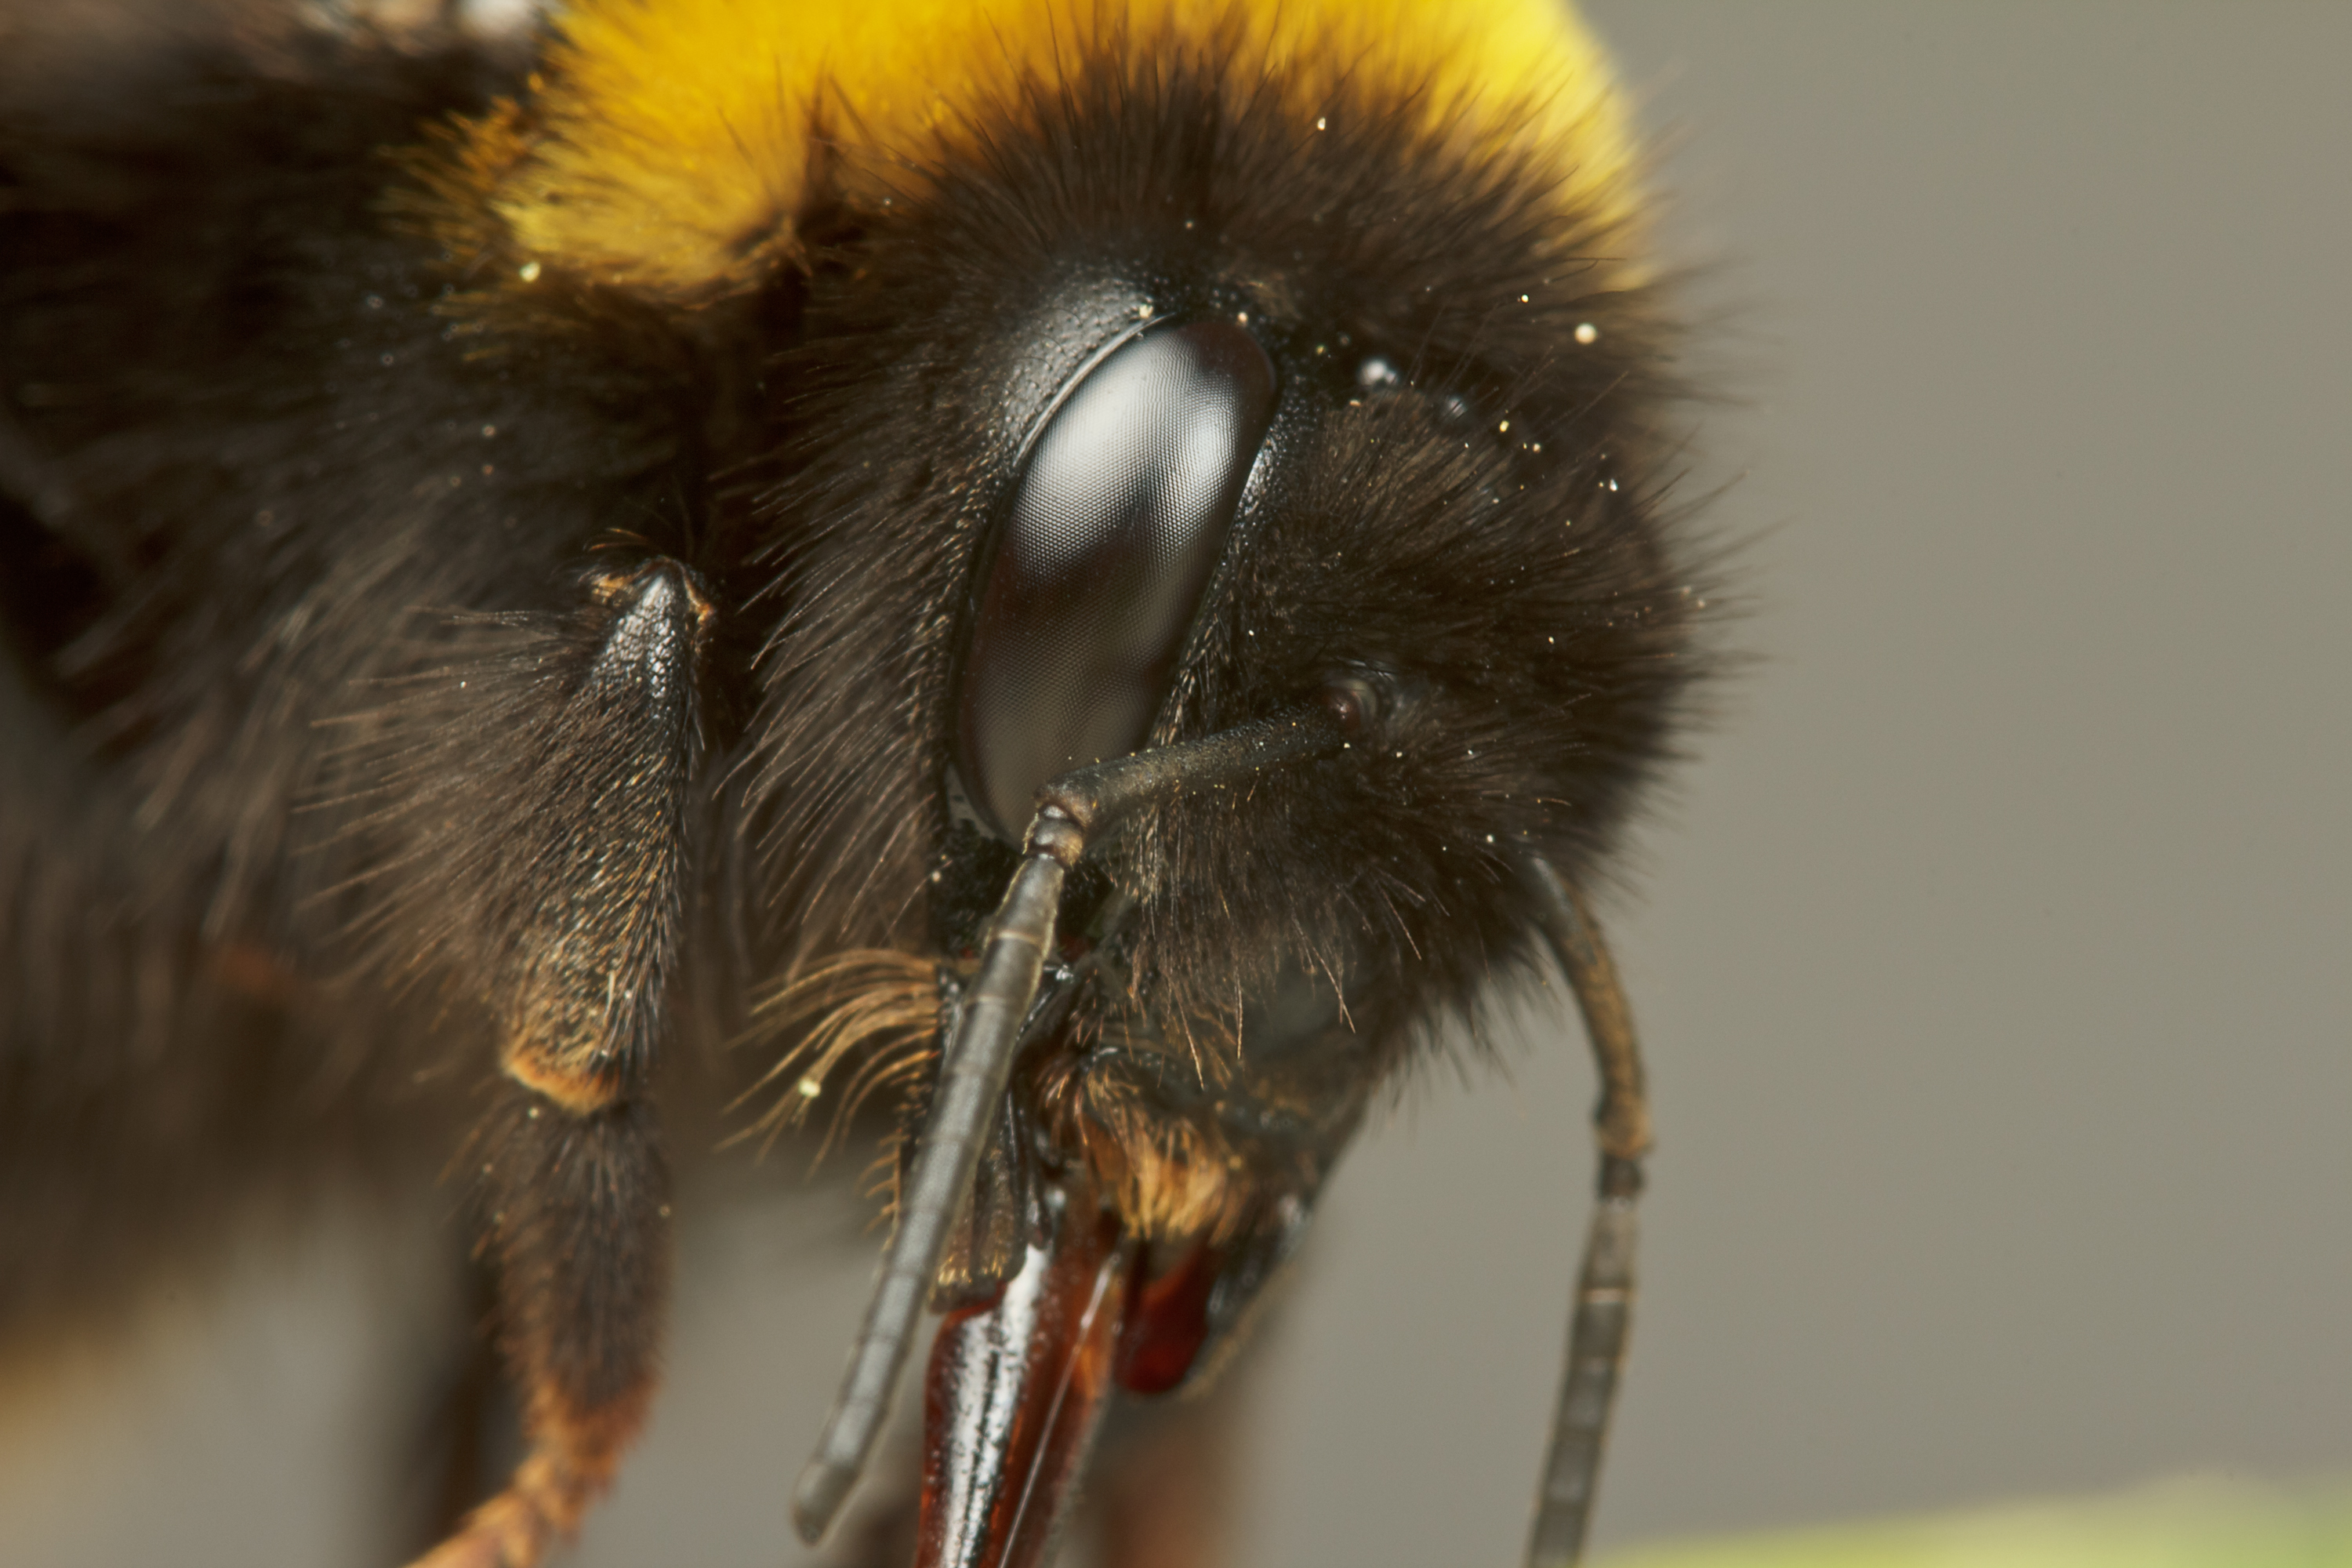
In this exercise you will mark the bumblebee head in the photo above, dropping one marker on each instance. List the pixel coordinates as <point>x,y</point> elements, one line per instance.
<point>1129,377</point>
<point>1157,411</point>
<point>1145,408</point>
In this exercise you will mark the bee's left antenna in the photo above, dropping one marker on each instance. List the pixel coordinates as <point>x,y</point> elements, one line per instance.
<point>1604,1287</point>
<point>1080,806</point>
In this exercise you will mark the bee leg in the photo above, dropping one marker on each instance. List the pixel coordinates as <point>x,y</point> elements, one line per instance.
<point>582,868</point>
<point>1602,1315</point>
<point>578,1232</point>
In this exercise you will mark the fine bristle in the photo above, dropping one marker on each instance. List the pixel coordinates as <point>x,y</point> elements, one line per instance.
<point>878,1008</point>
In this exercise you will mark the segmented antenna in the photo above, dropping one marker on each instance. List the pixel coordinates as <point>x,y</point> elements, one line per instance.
<point>1604,1287</point>
<point>1080,806</point>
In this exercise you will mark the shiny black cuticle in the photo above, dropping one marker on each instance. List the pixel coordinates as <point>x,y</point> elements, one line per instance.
<point>1098,569</point>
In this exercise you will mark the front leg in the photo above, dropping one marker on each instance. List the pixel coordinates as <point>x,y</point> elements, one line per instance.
<point>571,872</point>
<point>578,1230</point>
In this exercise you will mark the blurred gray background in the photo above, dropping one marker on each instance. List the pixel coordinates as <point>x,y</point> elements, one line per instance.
<point>1992,959</point>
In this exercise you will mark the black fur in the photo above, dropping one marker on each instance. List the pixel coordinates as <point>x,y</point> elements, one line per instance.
<point>576,1215</point>
<point>290,492</point>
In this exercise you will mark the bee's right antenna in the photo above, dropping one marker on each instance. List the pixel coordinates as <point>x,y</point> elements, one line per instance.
<point>1604,1290</point>
<point>1081,807</point>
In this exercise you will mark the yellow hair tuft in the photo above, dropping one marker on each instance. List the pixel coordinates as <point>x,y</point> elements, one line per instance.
<point>675,142</point>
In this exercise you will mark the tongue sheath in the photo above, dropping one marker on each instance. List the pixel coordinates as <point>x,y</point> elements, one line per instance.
<point>1015,1387</point>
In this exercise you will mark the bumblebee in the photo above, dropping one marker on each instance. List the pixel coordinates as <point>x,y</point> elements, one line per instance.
<point>1072,578</point>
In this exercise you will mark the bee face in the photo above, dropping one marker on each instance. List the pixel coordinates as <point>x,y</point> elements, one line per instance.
<point>1414,456</point>
<point>878,431</point>
<point>1450,503</point>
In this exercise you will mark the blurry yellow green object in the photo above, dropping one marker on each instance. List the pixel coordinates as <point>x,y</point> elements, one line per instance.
<point>2192,1523</point>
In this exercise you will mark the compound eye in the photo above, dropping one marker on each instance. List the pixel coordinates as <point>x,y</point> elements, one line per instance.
<point>1100,563</point>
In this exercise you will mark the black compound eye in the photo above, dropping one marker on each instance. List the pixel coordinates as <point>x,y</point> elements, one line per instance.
<point>1100,563</point>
